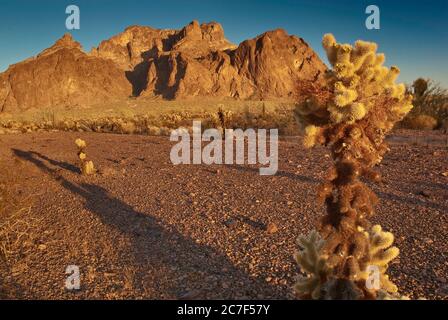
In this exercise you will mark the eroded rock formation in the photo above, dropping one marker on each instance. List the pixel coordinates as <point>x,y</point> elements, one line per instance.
<point>62,75</point>
<point>196,61</point>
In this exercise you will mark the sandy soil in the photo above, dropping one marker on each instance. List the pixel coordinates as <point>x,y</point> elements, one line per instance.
<point>143,228</point>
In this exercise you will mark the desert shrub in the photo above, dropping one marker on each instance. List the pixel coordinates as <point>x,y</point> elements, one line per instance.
<point>175,119</point>
<point>49,118</point>
<point>421,122</point>
<point>278,117</point>
<point>127,127</point>
<point>153,130</point>
<point>430,105</point>
<point>17,226</point>
<point>15,206</point>
<point>352,113</point>
<point>165,131</point>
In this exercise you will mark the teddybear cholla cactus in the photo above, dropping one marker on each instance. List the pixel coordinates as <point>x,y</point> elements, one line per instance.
<point>358,106</point>
<point>87,167</point>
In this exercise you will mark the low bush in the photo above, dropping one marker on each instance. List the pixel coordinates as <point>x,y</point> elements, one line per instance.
<point>421,122</point>
<point>279,118</point>
<point>430,106</point>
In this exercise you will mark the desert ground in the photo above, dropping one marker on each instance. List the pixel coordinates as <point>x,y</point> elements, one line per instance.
<point>143,228</point>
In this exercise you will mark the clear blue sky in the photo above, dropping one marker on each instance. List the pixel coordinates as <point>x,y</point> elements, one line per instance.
<point>414,34</point>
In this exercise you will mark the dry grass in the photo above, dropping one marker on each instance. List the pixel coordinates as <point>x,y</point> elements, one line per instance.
<point>154,118</point>
<point>15,207</point>
<point>16,224</point>
<point>14,230</point>
<point>159,117</point>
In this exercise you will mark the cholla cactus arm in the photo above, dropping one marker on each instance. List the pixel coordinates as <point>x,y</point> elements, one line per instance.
<point>80,143</point>
<point>381,253</point>
<point>88,168</point>
<point>358,79</point>
<point>384,295</point>
<point>312,134</point>
<point>352,113</point>
<point>313,263</point>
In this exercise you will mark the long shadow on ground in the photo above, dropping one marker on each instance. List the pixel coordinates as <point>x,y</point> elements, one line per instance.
<point>382,194</point>
<point>156,248</point>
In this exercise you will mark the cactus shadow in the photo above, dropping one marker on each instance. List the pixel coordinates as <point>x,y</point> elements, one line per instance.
<point>431,185</point>
<point>412,201</point>
<point>156,252</point>
<point>252,223</point>
<point>279,173</point>
<point>33,156</point>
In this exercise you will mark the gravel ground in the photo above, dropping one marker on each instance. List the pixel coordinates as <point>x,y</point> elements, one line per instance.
<point>145,229</point>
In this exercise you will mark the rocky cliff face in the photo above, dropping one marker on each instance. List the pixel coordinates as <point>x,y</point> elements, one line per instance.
<point>139,44</point>
<point>196,61</point>
<point>267,67</point>
<point>62,75</point>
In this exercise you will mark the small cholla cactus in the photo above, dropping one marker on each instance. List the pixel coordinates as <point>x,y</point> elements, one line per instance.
<point>352,113</point>
<point>420,86</point>
<point>224,118</point>
<point>87,167</point>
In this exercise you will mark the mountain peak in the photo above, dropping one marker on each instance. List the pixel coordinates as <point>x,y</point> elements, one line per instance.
<point>195,38</point>
<point>65,42</point>
<point>193,62</point>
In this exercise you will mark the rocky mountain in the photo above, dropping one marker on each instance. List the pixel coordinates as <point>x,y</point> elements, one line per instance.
<point>196,61</point>
<point>62,75</point>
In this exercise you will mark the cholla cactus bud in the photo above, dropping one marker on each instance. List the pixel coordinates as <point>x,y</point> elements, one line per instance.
<point>311,133</point>
<point>88,168</point>
<point>344,95</point>
<point>80,143</point>
<point>358,110</point>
